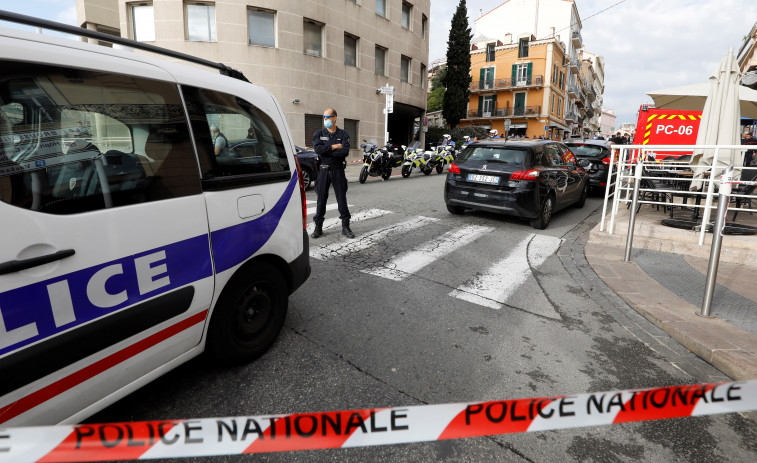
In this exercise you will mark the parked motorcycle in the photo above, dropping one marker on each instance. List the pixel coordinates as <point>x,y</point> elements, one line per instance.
<point>436,158</point>
<point>376,162</point>
<point>412,159</point>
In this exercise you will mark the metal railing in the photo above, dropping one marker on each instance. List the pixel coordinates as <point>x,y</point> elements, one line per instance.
<point>503,84</point>
<point>510,111</point>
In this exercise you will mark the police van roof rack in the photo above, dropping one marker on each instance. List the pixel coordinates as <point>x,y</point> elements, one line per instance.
<point>80,31</point>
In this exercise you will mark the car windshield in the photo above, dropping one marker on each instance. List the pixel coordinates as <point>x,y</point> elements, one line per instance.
<point>494,154</point>
<point>585,150</point>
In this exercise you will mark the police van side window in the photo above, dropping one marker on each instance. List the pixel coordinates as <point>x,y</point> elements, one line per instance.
<point>237,143</point>
<point>75,141</point>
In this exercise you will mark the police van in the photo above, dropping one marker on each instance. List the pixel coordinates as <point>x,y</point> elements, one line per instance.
<point>130,242</point>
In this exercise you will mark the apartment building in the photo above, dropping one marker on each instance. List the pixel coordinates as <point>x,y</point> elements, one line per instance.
<point>311,54</point>
<point>518,87</point>
<point>607,123</point>
<point>544,19</point>
<point>747,58</point>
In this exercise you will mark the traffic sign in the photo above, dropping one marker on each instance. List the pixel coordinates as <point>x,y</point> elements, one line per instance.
<point>387,90</point>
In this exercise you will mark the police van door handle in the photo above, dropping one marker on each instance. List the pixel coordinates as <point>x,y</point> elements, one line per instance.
<point>18,265</point>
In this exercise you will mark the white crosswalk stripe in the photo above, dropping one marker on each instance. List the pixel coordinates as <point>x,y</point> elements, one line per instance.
<point>329,207</point>
<point>496,285</point>
<point>409,262</point>
<point>365,241</point>
<point>362,215</point>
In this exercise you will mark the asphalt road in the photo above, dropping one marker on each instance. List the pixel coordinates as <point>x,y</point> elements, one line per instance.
<point>425,307</point>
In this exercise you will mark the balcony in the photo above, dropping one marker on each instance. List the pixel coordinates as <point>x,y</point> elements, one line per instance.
<point>573,65</point>
<point>572,90</point>
<point>589,112</point>
<point>571,116</point>
<point>505,84</point>
<point>508,112</point>
<point>590,94</point>
<point>577,40</point>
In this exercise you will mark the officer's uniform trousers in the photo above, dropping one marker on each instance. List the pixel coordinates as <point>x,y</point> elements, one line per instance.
<point>331,175</point>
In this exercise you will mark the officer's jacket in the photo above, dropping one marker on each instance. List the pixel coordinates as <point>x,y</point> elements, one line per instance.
<point>322,141</point>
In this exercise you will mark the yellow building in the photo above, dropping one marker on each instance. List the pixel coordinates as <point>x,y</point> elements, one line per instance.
<point>518,86</point>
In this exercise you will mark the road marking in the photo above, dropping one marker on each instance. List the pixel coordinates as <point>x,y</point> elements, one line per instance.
<point>362,242</point>
<point>409,262</point>
<point>329,207</point>
<point>493,288</point>
<point>362,215</point>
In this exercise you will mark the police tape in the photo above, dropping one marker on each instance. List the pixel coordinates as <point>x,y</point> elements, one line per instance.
<point>367,427</point>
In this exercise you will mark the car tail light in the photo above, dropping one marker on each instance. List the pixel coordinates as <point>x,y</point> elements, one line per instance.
<point>302,194</point>
<point>453,169</point>
<point>606,161</point>
<point>525,175</point>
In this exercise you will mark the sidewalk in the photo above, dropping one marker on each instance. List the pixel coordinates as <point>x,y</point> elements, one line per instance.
<point>665,283</point>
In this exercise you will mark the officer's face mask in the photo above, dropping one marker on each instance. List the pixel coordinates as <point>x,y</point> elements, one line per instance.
<point>328,123</point>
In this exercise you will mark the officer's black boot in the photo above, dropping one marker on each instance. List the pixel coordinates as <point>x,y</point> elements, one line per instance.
<point>318,230</point>
<point>346,229</point>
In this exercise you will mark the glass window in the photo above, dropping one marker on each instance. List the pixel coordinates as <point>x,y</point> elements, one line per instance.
<point>380,61</point>
<point>201,22</point>
<point>351,127</point>
<point>424,25</point>
<point>350,50</point>
<point>494,155</point>
<point>143,22</point>
<point>405,69</point>
<point>490,51</point>
<point>312,38</point>
<point>523,48</point>
<point>75,141</point>
<point>407,10</point>
<point>552,156</point>
<point>381,7</point>
<point>261,27</point>
<point>233,137</point>
<point>423,76</point>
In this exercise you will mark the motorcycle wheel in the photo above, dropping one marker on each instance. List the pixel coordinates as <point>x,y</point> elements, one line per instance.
<point>363,174</point>
<point>426,170</point>
<point>406,171</point>
<point>386,174</point>
<point>439,168</point>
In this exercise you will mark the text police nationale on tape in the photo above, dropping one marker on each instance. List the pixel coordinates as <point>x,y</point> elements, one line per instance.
<point>356,428</point>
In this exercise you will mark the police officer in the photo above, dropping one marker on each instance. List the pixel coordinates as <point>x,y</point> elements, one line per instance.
<point>332,145</point>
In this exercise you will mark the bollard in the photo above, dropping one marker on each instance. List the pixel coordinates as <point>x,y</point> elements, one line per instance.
<point>724,196</point>
<point>632,219</point>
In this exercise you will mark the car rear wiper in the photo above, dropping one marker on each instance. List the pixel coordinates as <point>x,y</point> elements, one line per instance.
<point>498,160</point>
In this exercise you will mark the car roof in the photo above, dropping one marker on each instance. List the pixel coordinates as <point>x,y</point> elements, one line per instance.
<point>587,141</point>
<point>527,143</point>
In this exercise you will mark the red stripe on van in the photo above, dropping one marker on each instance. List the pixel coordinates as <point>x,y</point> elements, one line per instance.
<point>48,392</point>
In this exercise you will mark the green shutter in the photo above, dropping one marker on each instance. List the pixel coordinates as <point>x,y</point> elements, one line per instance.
<point>494,104</point>
<point>480,105</point>
<point>481,79</point>
<point>515,73</point>
<point>528,79</point>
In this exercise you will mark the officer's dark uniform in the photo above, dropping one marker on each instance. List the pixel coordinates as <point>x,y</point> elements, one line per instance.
<point>331,172</point>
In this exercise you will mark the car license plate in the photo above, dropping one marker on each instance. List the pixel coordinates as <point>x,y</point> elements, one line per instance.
<point>483,178</point>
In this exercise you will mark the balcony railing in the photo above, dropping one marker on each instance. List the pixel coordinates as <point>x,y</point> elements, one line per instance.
<point>571,116</point>
<point>574,64</point>
<point>577,40</point>
<point>504,84</point>
<point>510,111</point>
<point>572,91</point>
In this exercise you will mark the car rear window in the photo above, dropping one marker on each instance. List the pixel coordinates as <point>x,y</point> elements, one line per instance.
<point>494,154</point>
<point>585,150</point>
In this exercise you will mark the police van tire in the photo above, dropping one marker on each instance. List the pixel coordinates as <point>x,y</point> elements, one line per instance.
<point>363,174</point>
<point>249,314</point>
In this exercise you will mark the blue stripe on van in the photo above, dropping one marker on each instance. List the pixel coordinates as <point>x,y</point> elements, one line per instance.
<point>234,245</point>
<point>30,306</point>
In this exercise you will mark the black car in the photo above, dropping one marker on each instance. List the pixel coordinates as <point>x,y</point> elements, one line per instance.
<point>594,156</point>
<point>529,179</point>
<point>307,160</point>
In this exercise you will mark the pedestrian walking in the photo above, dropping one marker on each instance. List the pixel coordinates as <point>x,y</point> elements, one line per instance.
<point>332,145</point>
<point>749,155</point>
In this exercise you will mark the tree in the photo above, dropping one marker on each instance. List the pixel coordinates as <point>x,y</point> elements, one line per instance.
<point>438,79</point>
<point>458,78</point>
<point>435,100</point>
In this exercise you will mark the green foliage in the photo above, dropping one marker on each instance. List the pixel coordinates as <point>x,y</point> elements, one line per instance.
<point>458,78</point>
<point>458,133</point>
<point>435,134</point>
<point>438,79</point>
<point>435,100</point>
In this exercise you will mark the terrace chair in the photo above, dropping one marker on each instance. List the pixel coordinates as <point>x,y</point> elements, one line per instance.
<point>747,176</point>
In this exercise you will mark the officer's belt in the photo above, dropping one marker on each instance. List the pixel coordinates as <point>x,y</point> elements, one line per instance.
<point>336,167</point>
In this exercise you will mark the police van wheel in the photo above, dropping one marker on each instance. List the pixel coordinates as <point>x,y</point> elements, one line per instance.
<point>248,315</point>
<point>363,174</point>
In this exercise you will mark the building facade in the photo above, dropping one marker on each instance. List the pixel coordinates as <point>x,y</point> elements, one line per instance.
<point>311,54</point>
<point>544,19</point>
<point>607,123</point>
<point>518,87</point>
<point>747,58</point>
